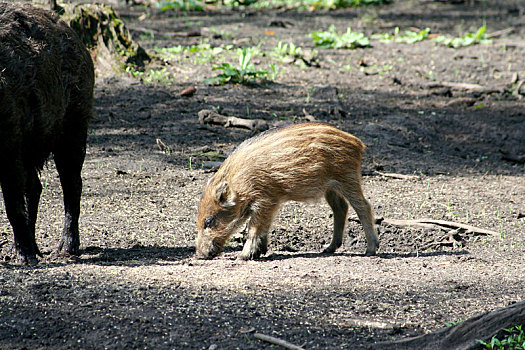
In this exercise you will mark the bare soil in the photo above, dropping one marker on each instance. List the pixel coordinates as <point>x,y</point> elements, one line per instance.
<point>136,284</point>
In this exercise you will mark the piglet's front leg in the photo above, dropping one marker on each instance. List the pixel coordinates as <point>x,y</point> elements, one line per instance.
<point>256,243</point>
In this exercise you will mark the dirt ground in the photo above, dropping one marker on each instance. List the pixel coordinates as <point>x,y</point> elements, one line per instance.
<point>136,284</point>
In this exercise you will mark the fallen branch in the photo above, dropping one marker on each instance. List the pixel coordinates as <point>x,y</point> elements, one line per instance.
<point>468,87</point>
<point>464,335</point>
<point>163,147</point>
<point>357,322</point>
<point>459,86</point>
<point>277,341</point>
<point>398,176</point>
<point>460,101</point>
<point>499,33</point>
<point>308,116</point>
<point>207,116</point>
<point>427,223</point>
<point>184,34</point>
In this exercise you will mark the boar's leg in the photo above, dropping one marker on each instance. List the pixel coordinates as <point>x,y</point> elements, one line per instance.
<point>33,192</point>
<point>340,209</point>
<point>364,212</point>
<point>14,191</point>
<point>69,159</point>
<point>257,241</point>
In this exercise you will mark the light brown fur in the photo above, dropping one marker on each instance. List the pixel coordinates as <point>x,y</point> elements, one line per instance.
<point>302,162</point>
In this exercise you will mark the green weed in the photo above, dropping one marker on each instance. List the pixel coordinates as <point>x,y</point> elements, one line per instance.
<point>317,4</point>
<point>453,323</point>
<point>197,5</point>
<point>284,117</point>
<point>182,5</point>
<point>274,71</point>
<point>287,51</point>
<point>466,39</point>
<point>201,53</point>
<point>158,76</point>
<point>209,155</point>
<point>377,69</point>
<point>337,4</point>
<point>407,36</point>
<point>221,33</point>
<point>233,3</point>
<point>252,51</point>
<point>162,76</point>
<point>245,73</point>
<point>290,53</point>
<point>514,339</point>
<point>332,39</point>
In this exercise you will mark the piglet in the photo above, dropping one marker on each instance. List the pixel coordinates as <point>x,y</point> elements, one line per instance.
<point>300,163</point>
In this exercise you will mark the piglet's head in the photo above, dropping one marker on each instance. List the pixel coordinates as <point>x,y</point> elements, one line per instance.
<point>217,220</point>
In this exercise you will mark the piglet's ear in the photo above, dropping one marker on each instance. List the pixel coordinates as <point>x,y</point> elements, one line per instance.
<point>224,195</point>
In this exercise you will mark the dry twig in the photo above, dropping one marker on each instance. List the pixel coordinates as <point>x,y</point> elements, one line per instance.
<point>430,223</point>
<point>357,322</point>
<point>500,33</point>
<point>398,176</point>
<point>277,341</point>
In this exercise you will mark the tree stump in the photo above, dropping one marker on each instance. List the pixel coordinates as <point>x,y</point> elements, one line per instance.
<point>106,36</point>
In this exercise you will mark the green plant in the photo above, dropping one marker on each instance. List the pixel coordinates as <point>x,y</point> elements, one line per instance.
<point>513,339</point>
<point>332,39</point>
<point>220,33</point>
<point>252,51</point>
<point>466,39</point>
<point>453,323</point>
<point>337,4</point>
<point>286,51</point>
<point>317,4</point>
<point>170,53</point>
<point>209,155</point>
<point>233,3</point>
<point>183,5</point>
<point>162,75</point>
<point>274,71</point>
<point>290,53</point>
<point>377,69</point>
<point>245,73</point>
<point>157,76</point>
<point>201,53</point>
<point>134,73</point>
<point>407,37</point>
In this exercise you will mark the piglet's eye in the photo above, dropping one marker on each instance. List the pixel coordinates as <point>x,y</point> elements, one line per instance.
<point>210,222</point>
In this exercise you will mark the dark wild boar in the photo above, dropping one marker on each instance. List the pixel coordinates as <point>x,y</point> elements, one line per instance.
<point>301,163</point>
<point>46,98</point>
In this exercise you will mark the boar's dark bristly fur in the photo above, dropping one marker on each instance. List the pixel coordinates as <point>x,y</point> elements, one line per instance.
<point>46,100</point>
<point>301,163</point>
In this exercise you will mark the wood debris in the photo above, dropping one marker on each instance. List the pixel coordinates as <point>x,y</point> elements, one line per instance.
<point>277,341</point>
<point>207,116</point>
